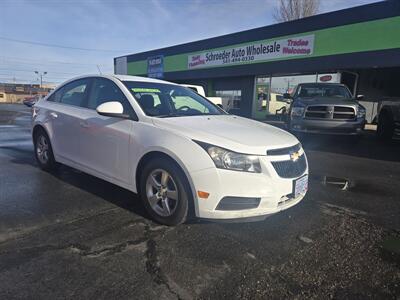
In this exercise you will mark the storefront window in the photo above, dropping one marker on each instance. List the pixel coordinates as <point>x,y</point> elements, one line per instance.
<point>268,97</point>
<point>261,97</point>
<point>230,99</point>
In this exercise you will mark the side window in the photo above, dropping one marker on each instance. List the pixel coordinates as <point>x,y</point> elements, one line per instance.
<point>104,90</point>
<point>56,96</point>
<point>74,92</point>
<point>280,98</point>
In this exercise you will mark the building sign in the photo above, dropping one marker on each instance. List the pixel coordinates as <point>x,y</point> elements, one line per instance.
<point>258,51</point>
<point>155,66</point>
<point>121,65</point>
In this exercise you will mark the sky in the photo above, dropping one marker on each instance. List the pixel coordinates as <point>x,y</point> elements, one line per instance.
<point>92,32</point>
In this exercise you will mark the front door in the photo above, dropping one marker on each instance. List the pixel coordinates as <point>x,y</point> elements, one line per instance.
<point>105,141</point>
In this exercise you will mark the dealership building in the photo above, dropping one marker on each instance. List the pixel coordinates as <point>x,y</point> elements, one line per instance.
<point>250,70</point>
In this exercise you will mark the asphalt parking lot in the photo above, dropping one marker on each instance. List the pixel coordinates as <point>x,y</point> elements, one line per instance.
<point>70,235</point>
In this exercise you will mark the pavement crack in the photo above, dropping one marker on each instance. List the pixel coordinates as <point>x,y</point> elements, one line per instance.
<point>335,210</point>
<point>107,250</point>
<point>153,267</point>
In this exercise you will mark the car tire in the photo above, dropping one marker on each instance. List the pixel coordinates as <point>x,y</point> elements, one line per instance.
<point>385,128</point>
<point>43,151</point>
<point>166,200</point>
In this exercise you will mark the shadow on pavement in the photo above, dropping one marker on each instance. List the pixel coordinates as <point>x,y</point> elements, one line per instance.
<point>85,182</point>
<point>107,191</point>
<point>366,146</point>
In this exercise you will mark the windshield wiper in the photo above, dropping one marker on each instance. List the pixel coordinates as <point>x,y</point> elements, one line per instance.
<point>168,116</point>
<point>179,115</point>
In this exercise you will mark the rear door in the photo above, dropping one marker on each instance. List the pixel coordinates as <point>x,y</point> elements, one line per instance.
<point>105,141</point>
<point>65,114</point>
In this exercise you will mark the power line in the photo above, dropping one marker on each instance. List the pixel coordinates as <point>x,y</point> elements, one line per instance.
<point>31,65</point>
<point>50,61</point>
<point>18,79</point>
<point>34,77</point>
<point>57,46</point>
<point>55,72</point>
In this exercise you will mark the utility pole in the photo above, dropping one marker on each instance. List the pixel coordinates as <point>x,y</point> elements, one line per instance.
<point>288,80</point>
<point>41,77</point>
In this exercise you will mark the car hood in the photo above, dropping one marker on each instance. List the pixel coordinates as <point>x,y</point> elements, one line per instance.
<point>228,131</point>
<point>326,101</point>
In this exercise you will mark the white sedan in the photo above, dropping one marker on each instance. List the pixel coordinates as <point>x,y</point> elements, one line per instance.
<point>184,155</point>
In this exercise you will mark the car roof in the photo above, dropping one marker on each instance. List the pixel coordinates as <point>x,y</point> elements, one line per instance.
<point>140,79</point>
<point>121,78</point>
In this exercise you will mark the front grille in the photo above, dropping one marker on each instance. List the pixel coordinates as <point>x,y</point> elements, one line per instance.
<point>330,112</point>
<point>344,109</point>
<point>316,112</point>
<point>284,151</point>
<point>289,168</point>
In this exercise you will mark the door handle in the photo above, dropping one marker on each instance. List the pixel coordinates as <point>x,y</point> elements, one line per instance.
<point>53,115</point>
<point>84,124</point>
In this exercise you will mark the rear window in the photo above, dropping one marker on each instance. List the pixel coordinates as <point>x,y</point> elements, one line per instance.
<point>329,91</point>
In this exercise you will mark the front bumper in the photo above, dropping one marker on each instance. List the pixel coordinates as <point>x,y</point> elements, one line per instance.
<point>274,193</point>
<point>327,126</point>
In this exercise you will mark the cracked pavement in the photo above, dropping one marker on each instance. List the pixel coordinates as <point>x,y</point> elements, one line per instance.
<point>70,235</point>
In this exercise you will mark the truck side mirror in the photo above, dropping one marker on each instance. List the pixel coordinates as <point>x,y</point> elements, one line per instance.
<point>287,96</point>
<point>360,97</point>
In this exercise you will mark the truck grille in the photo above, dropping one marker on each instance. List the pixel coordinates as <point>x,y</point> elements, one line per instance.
<point>330,112</point>
<point>289,168</point>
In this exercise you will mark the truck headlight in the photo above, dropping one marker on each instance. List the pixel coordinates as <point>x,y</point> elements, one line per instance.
<point>297,111</point>
<point>225,159</point>
<point>360,112</point>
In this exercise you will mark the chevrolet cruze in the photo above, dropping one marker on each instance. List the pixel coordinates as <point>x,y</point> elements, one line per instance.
<point>183,154</point>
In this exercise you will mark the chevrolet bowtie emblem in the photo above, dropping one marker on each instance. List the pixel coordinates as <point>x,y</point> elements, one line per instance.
<point>294,156</point>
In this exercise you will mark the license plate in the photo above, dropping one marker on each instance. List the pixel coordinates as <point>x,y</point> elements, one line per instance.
<point>300,186</point>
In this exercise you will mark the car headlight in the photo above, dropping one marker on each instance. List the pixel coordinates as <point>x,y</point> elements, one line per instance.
<point>297,111</point>
<point>225,159</point>
<point>360,112</point>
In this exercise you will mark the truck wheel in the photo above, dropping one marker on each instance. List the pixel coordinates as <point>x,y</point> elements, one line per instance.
<point>385,129</point>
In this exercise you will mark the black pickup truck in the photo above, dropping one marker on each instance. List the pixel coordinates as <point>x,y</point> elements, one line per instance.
<point>325,108</point>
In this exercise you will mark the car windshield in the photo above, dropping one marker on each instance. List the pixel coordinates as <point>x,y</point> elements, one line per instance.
<point>168,100</point>
<point>321,91</point>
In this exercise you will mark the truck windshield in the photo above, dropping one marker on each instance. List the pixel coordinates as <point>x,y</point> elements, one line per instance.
<point>169,100</point>
<point>329,91</point>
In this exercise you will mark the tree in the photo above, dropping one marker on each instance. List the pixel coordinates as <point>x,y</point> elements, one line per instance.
<point>288,10</point>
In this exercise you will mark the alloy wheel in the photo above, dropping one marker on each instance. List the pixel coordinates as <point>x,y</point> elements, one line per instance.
<point>42,149</point>
<point>162,192</point>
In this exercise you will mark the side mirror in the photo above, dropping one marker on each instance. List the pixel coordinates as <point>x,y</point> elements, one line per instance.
<point>360,97</point>
<point>112,109</point>
<point>287,96</point>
